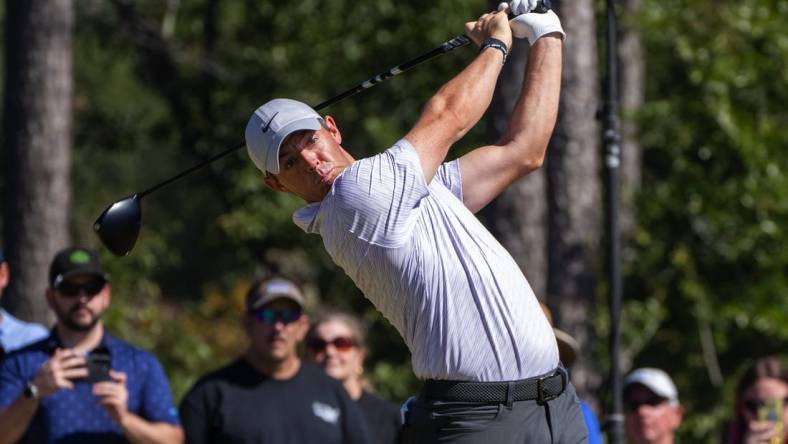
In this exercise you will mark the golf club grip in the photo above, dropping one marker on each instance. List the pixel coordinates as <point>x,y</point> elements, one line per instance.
<point>543,6</point>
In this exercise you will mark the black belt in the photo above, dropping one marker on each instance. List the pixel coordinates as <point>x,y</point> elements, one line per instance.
<point>540,388</point>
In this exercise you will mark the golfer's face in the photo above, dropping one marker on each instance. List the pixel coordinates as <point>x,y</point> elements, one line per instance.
<point>309,162</point>
<point>277,328</point>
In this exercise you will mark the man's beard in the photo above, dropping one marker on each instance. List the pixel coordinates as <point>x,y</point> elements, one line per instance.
<point>67,319</point>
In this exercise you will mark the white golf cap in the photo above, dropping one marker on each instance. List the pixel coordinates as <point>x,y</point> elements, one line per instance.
<point>271,124</point>
<point>655,380</point>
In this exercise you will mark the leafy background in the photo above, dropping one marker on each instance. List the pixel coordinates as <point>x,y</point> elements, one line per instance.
<point>161,85</point>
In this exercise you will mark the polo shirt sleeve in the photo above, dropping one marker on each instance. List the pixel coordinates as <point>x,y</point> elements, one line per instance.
<point>12,384</point>
<point>378,198</point>
<point>448,174</point>
<point>157,403</point>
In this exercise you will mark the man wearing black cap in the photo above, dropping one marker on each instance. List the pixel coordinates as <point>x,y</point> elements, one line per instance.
<point>14,333</point>
<point>268,394</point>
<point>80,384</point>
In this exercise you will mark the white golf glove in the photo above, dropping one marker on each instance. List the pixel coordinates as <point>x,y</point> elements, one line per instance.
<point>534,25</point>
<point>517,7</point>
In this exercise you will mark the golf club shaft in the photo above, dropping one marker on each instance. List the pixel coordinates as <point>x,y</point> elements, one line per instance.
<point>456,42</point>
<point>451,44</point>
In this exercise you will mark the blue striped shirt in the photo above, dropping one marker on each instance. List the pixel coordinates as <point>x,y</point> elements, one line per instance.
<point>456,296</point>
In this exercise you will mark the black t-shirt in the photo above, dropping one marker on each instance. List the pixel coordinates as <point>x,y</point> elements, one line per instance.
<point>237,404</point>
<point>383,418</point>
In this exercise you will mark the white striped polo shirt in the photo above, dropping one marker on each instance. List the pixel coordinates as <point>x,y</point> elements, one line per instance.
<point>456,296</point>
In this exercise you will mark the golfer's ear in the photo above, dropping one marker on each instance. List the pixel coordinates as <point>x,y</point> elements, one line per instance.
<point>331,127</point>
<point>271,182</point>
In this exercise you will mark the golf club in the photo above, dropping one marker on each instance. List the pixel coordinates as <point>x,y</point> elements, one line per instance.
<point>119,224</point>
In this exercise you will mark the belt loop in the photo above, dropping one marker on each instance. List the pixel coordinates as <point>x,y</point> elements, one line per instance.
<point>509,394</point>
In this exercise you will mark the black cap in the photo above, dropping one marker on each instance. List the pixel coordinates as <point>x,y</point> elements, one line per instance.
<point>73,261</point>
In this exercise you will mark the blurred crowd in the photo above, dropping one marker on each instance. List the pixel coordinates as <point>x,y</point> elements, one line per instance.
<point>301,379</point>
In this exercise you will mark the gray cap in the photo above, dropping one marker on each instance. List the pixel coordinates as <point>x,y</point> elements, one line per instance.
<point>271,124</point>
<point>655,380</point>
<point>272,289</point>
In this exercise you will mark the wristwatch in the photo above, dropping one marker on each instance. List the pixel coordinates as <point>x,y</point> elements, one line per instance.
<point>31,391</point>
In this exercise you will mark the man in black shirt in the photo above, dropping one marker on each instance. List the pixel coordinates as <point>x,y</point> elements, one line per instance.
<point>268,395</point>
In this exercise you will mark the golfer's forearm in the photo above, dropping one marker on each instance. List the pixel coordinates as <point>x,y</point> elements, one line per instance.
<point>15,419</point>
<point>454,109</point>
<point>140,431</point>
<point>534,115</point>
<point>466,97</point>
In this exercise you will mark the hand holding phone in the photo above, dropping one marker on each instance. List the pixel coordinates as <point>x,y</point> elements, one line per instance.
<point>98,365</point>
<point>772,410</point>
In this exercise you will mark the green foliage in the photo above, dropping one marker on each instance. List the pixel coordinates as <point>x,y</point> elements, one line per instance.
<point>156,91</point>
<point>714,203</point>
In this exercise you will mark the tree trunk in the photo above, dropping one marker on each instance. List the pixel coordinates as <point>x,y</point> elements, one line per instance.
<point>517,218</point>
<point>550,221</point>
<point>573,191</point>
<point>37,127</point>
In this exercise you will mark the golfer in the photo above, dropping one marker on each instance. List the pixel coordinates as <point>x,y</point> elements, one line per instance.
<point>402,226</point>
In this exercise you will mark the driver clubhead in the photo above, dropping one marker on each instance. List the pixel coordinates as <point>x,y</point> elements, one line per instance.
<point>119,225</point>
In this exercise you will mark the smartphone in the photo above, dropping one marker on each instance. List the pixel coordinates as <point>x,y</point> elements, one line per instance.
<point>98,364</point>
<point>772,410</point>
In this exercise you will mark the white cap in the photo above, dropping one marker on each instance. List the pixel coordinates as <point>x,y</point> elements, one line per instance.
<point>655,380</point>
<point>271,124</point>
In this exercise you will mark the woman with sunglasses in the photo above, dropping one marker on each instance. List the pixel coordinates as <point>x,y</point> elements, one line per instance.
<point>761,404</point>
<point>336,342</point>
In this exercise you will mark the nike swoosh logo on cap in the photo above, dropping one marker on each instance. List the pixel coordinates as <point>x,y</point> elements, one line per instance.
<point>268,125</point>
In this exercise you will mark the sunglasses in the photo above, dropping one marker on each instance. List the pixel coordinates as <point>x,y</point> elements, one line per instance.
<point>90,288</point>
<point>270,316</point>
<point>632,405</point>
<point>753,405</point>
<point>341,343</point>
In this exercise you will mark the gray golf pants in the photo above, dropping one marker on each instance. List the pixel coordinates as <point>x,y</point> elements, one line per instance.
<point>558,421</point>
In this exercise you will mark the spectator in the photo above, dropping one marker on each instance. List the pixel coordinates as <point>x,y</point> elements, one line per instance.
<point>47,393</point>
<point>651,403</point>
<point>268,394</point>
<point>764,383</point>
<point>337,343</point>
<point>13,332</point>
<point>568,349</point>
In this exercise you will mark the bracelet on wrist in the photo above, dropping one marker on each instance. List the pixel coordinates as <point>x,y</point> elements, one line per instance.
<point>31,392</point>
<point>490,42</point>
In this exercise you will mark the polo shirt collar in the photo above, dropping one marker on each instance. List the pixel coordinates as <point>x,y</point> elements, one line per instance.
<point>107,344</point>
<point>306,217</point>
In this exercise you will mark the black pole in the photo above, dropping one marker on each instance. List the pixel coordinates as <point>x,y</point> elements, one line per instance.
<point>611,139</point>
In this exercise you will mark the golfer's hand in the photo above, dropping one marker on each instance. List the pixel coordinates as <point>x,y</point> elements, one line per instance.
<point>493,24</point>
<point>113,396</point>
<point>535,26</point>
<point>59,372</point>
<point>759,432</point>
<point>518,7</point>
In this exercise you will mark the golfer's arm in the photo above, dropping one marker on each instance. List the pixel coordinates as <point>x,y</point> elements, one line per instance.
<point>454,110</point>
<point>15,419</point>
<point>488,170</point>
<point>140,431</point>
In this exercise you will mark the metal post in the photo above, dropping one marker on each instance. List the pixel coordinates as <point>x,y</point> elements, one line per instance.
<point>611,139</point>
